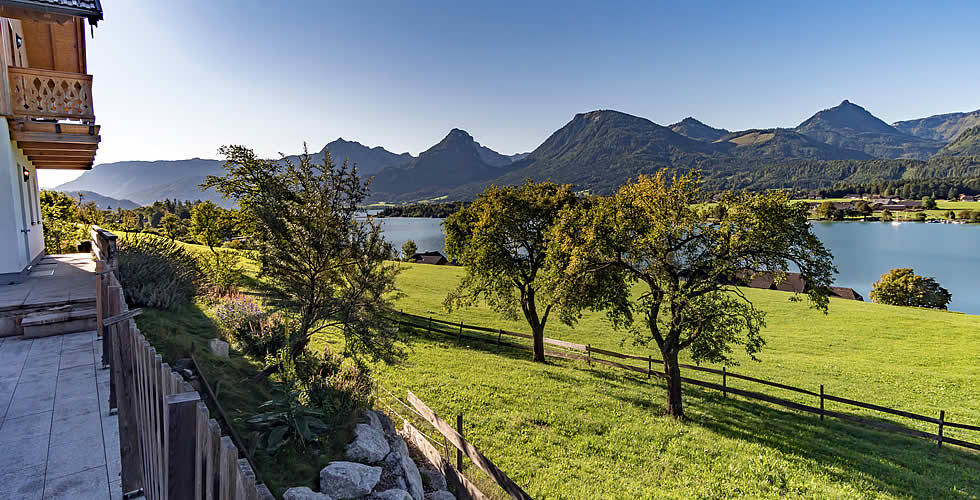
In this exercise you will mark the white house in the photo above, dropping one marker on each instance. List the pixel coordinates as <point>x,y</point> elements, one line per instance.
<point>48,121</point>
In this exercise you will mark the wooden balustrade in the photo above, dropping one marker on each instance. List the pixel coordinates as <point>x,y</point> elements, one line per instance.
<point>42,93</point>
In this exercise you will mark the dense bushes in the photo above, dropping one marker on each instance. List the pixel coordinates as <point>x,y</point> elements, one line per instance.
<point>157,273</point>
<point>253,331</point>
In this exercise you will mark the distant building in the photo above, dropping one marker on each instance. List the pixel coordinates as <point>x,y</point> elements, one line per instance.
<point>434,258</point>
<point>793,282</point>
<point>968,197</point>
<point>846,293</point>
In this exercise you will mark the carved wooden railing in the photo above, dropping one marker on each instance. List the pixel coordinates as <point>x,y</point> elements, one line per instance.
<point>42,93</point>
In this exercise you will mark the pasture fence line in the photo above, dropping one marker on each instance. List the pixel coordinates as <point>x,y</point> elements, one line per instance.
<point>588,354</point>
<point>170,447</point>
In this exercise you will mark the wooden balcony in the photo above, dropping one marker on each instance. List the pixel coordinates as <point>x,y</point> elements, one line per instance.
<point>58,95</point>
<point>50,115</point>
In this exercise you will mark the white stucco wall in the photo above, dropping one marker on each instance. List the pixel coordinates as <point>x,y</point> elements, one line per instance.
<point>19,208</point>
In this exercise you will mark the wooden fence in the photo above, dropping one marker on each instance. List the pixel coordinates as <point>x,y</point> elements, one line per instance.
<point>589,355</point>
<point>169,445</point>
<point>429,447</point>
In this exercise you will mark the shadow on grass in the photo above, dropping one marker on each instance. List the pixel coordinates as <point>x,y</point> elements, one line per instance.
<point>850,453</point>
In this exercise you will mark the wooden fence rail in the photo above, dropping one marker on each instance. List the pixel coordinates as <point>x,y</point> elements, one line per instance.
<point>170,446</point>
<point>589,353</point>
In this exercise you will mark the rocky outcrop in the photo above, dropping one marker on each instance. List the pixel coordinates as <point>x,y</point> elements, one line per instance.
<point>348,479</point>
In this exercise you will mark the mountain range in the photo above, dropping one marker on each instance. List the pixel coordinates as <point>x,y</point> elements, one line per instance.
<point>599,150</point>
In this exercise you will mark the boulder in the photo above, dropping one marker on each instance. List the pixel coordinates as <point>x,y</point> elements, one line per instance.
<point>386,424</point>
<point>440,495</point>
<point>403,466</point>
<point>394,494</point>
<point>436,480</point>
<point>373,420</point>
<point>348,479</point>
<point>304,493</point>
<point>218,347</point>
<point>369,445</point>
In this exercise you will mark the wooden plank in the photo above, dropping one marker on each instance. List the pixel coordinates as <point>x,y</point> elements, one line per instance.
<point>959,442</point>
<point>464,488</point>
<point>620,355</point>
<point>54,137</point>
<point>478,459</point>
<point>228,469</point>
<point>913,416</point>
<point>246,481</point>
<point>180,428</point>
<point>119,318</point>
<point>567,345</point>
<point>139,356</point>
<point>214,431</point>
<point>962,426</point>
<point>57,146</point>
<point>129,453</point>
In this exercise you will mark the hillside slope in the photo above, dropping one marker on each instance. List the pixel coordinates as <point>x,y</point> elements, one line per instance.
<point>942,128</point>
<point>694,129</point>
<point>965,144</point>
<point>850,126</point>
<point>103,202</point>
<point>779,143</point>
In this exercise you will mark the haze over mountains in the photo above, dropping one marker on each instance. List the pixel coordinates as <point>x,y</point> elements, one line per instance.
<point>599,150</point>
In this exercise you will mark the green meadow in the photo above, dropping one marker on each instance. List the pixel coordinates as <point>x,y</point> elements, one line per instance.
<point>567,430</point>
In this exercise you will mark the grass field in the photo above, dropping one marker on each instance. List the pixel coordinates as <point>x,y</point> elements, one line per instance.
<point>565,430</point>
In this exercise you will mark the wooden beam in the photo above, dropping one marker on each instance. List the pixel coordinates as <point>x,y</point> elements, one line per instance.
<point>55,146</point>
<point>54,137</point>
<point>35,15</point>
<point>64,158</point>
<point>79,166</point>
<point>65,128</point>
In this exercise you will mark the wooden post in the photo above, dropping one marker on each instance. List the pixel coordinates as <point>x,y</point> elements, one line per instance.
<point>821,401</point>
<point>430,324</point>
<point>228,469</point>
<point>724,381</point>
<point>180,431</point>
<point>942,423</point>
<point>459,336</point>
<point>99,300</point>
<point>459,453</point>
<point>588,353</point>
<point>109,339</point>
<point>649,366</point>
<point>129,446</point>
<point>500,332</point>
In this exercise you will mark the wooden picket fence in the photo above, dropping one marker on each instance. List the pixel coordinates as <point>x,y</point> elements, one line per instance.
<point>588,354</point>
<point>170,446</point>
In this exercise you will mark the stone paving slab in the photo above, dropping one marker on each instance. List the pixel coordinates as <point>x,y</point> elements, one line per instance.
<point>56,433</point>
<point>73,279</point>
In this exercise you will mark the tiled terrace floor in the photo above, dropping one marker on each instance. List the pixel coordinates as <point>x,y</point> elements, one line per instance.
<point>57,439</point>
<point>55,280</point>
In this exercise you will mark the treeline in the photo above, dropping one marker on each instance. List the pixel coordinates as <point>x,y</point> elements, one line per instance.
<point>945,188</point>
<point>432,210</point>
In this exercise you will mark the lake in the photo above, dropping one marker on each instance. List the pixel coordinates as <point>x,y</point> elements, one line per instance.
<point>863,251</point>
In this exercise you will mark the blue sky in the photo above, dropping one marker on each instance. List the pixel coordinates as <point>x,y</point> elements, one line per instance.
<point>177,79</point>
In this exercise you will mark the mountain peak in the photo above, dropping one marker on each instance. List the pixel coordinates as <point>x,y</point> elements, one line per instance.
<point>695,129</point>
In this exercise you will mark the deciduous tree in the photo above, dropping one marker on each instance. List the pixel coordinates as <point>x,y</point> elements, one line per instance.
<point>902,287</point>
<point>408,249</point>
<point>687,266</point>
<point>320,261</point>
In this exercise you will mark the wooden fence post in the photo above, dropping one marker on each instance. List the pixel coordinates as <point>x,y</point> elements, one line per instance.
<point>821,401</point>
<point>129,446</point>
<point>459,336</point>
<point>109,339</point>
<point>180,428</point>
<point>459,453</point>
<point>500,332</point>
<point>430,324</point>
<point>588,353</point>
<point>942,423</point>
<point>649,366</point>
<point>724,381</point>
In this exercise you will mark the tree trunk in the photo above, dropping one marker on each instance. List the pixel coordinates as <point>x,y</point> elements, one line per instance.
<point>538,348</point>
<point>675,404</point>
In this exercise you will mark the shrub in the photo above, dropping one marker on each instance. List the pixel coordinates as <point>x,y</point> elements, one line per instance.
<point>286,420</point>
<point>221,277</point>
<point>902,287</point>
<point>254,332</point>
<point>963,214</point>
<point>234,244</point>
<point>918,216</point>
<point>157,273</point>
<point>975,216</point>
<point>333,384</point>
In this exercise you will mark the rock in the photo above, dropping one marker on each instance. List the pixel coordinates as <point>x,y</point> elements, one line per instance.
<point>218,347</point>
<point>373,420</point>
<point>183,364</point>
<point>304,493</point>
<point>440,495</point>
<point>386,425</point>
<point>397,444</point>
<point>393,494</point>
<point>369,445</point>
<point>437,481</point>
<point>348,479</point>
<point>403,466</point>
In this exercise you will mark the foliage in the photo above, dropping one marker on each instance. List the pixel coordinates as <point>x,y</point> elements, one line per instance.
<point>333,384</point>
<point>155,272</point>
<point>886,215</point>
<point>318,259</point>
<point>253,331</point>
<point>287,421</point>
<point>504,241</point>
<point>918,216</point>
<point>929,203</point>
<point>409,249</point>
<point>62,224</point>
<point>211,225</point>
<point>436,210</point>
<point>902,287</point>
<point>172,226</point>
<point>827,210</point>
<point>650,234</point>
